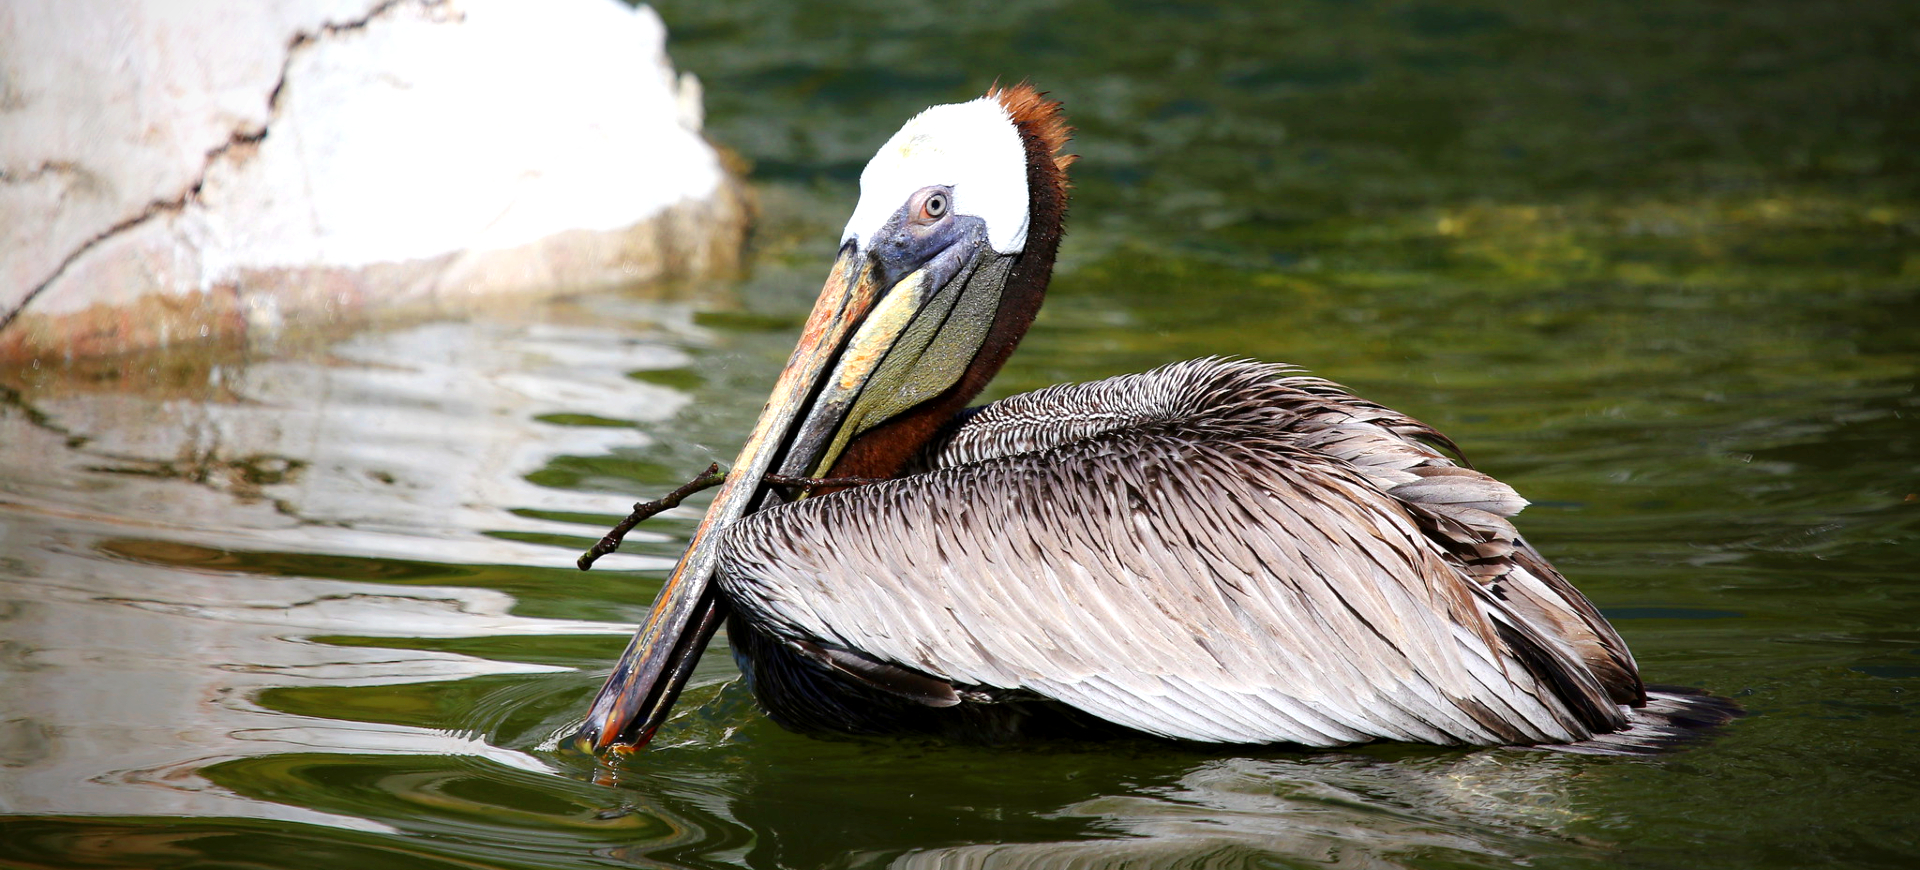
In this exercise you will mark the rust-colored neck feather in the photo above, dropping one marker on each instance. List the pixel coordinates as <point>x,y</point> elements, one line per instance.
<point>881,451</point>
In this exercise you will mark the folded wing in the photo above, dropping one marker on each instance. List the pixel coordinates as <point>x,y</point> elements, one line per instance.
<point>1210,551</point>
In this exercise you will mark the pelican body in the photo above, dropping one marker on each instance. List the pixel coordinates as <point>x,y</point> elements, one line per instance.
<point>1216,550</point>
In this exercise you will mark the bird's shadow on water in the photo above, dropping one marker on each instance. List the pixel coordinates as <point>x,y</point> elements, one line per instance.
<point>740,791</point>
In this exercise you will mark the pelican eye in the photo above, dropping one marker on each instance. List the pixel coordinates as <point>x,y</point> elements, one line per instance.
<point>935,207</point>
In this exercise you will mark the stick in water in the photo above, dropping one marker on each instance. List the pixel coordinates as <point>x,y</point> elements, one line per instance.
<point>712,477</point>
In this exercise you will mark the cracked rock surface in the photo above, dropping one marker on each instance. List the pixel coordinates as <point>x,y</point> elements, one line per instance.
<point>170,171</point>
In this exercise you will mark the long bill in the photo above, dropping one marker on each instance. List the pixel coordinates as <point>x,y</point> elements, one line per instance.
<point>845,340</point>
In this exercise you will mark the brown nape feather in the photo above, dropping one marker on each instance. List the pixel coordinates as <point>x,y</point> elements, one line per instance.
<point>1041,124</point>
<point>883,450</point>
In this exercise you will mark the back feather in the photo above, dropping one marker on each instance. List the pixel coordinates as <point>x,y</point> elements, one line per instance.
<point>1214,550</point>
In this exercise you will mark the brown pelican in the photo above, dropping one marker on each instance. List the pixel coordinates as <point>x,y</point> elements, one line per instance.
<point>1216,550</point>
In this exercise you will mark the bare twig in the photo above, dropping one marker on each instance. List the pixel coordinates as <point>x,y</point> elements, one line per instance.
<point>712,477</point>
<point>812,482</point>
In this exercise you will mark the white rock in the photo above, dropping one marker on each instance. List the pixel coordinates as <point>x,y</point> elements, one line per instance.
<point>170,169</point>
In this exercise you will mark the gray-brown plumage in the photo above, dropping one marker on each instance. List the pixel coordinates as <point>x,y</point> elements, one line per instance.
<point>1214,550</point>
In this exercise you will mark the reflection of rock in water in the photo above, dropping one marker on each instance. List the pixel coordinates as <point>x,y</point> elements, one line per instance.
<point>1486,807</point>
<point>124,680</point>
<point>140,627</point>
<point>402,443</point>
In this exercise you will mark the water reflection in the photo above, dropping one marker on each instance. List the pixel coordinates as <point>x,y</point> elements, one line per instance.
<point>383,440</point>
<point>911,805</point>
<point>127,680</point>
<point>1479,808</point>
<point>181,566</point>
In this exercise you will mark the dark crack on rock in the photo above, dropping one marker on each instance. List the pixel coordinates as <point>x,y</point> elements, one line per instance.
<point>151,210</point>
<point>301,39</point>
<point>240,139</point>
<point>51,167</point>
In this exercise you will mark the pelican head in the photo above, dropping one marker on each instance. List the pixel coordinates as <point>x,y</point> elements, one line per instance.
<point>940,271</point>
<point>970,154</point>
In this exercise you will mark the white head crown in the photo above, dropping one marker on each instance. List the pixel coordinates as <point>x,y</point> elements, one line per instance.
<point>972,147</point>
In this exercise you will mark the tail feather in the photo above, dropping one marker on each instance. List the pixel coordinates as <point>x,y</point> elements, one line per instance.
<point>1673,717</point>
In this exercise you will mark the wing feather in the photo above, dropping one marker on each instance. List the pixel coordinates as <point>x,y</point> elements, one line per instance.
<point>1235,569</point>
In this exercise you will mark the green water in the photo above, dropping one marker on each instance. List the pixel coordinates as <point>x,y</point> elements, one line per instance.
<point>1657,265</point>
